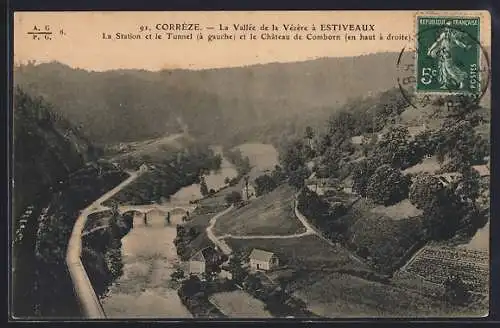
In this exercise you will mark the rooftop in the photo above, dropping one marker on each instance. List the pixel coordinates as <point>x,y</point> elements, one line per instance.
<point>261,255</point>
<point>209,254</point>
<point>483,170</point>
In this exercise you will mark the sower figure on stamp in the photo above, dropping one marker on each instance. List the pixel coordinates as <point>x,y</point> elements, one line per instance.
<point>449,72</point>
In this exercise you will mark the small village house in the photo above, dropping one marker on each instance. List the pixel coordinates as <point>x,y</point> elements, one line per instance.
<point>143,168</point>
<point>204,261</point>
<point>263,260</point>
<point>482,170</point>
<point>320,185</point>
<point>251,190</point>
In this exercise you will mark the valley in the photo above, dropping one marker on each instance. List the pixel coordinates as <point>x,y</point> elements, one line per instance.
<point>250,192</point>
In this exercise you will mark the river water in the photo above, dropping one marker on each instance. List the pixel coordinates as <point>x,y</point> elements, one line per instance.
<point>149,257</point>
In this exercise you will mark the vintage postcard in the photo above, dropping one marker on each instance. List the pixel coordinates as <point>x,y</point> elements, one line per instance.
<point>305,164</point>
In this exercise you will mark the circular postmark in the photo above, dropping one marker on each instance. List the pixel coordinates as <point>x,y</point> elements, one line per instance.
<point>444,65</point>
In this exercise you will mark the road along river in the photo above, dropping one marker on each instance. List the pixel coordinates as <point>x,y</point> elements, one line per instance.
<point>149,257</point>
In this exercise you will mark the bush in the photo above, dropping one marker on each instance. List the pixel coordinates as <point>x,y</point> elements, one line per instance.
<point>361,175</point>
<point>233,198</point>
<point>264,184</point>
<point>423,189</point>
<point>456,291</point>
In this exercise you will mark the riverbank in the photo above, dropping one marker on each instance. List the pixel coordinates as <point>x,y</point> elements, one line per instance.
<point>145,289</point>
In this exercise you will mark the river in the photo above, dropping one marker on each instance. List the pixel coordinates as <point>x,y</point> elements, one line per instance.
<point>149,257</point>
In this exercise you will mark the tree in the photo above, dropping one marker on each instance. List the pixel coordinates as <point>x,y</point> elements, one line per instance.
<point>330,162</point>
<point>227,180</point>
<point>264,184</point>
<point>426,142</point>
<point>395,149</point>
<point>181,231</point>
<point>423,190</point>
<point>324,143</point>
<point>246,186</point>
<point>193,233</point>
<point>191,286</point>
<point>468,186</point>
<point>278,175</point>
<point>236,268</point>
<point>209,276</point>
<point>203,186</point>
<point>461,146</point>
<point>233,198</point>
<point>456,290</point>
<point>387,186</point>
<point>253,283</point>
<point>309,135</point>
<point>309,149</point>
<point>362,172</point>
<point>442,216</point>
<point>177,275</point>
<point>297,178</point>
<point>292,159</point>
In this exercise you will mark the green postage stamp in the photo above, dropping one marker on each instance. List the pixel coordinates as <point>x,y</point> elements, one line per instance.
<point>448,54</point>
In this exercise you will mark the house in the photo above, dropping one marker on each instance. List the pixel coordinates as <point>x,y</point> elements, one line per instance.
<point>204,261</point>
<point>482,170</point>
<point>251,191</point>
<point>357,140</point>
<point>321,185</point>
<point>143,168</point>
<point>263,260</point>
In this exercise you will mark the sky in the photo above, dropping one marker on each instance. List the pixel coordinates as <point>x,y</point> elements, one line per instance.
<point>82,45</point>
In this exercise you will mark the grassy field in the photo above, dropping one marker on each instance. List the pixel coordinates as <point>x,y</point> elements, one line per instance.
<point>208,207</point>
<point>218,199</point>
<point>271,214</point>
<point>402,210</point>
<point>239,304</point>
<point>383,240</point>
<point>481,240</point>
<point>308,252</point>
<point>341,295</point>
<point>263,157</point>
<point>429,165</point>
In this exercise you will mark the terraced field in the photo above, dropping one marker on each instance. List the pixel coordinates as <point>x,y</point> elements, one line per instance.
<point>436,264</point>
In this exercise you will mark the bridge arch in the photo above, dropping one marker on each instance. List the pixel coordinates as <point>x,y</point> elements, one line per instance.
<point>146,211</point>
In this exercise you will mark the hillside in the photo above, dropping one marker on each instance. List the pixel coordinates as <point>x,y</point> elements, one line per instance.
<point>46,148</point>
<point>104,104</point>
<point>55,176</point>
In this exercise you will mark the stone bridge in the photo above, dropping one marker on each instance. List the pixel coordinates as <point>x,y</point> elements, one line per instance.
<point>145,209</point>
<point>155,210</point>
<point>147,212</point>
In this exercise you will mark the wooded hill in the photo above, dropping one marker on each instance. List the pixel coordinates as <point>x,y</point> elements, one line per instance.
<point>125,105</point>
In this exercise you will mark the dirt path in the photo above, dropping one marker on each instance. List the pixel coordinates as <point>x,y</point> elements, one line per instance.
<point>219,241</point>
<point>310,230</point>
